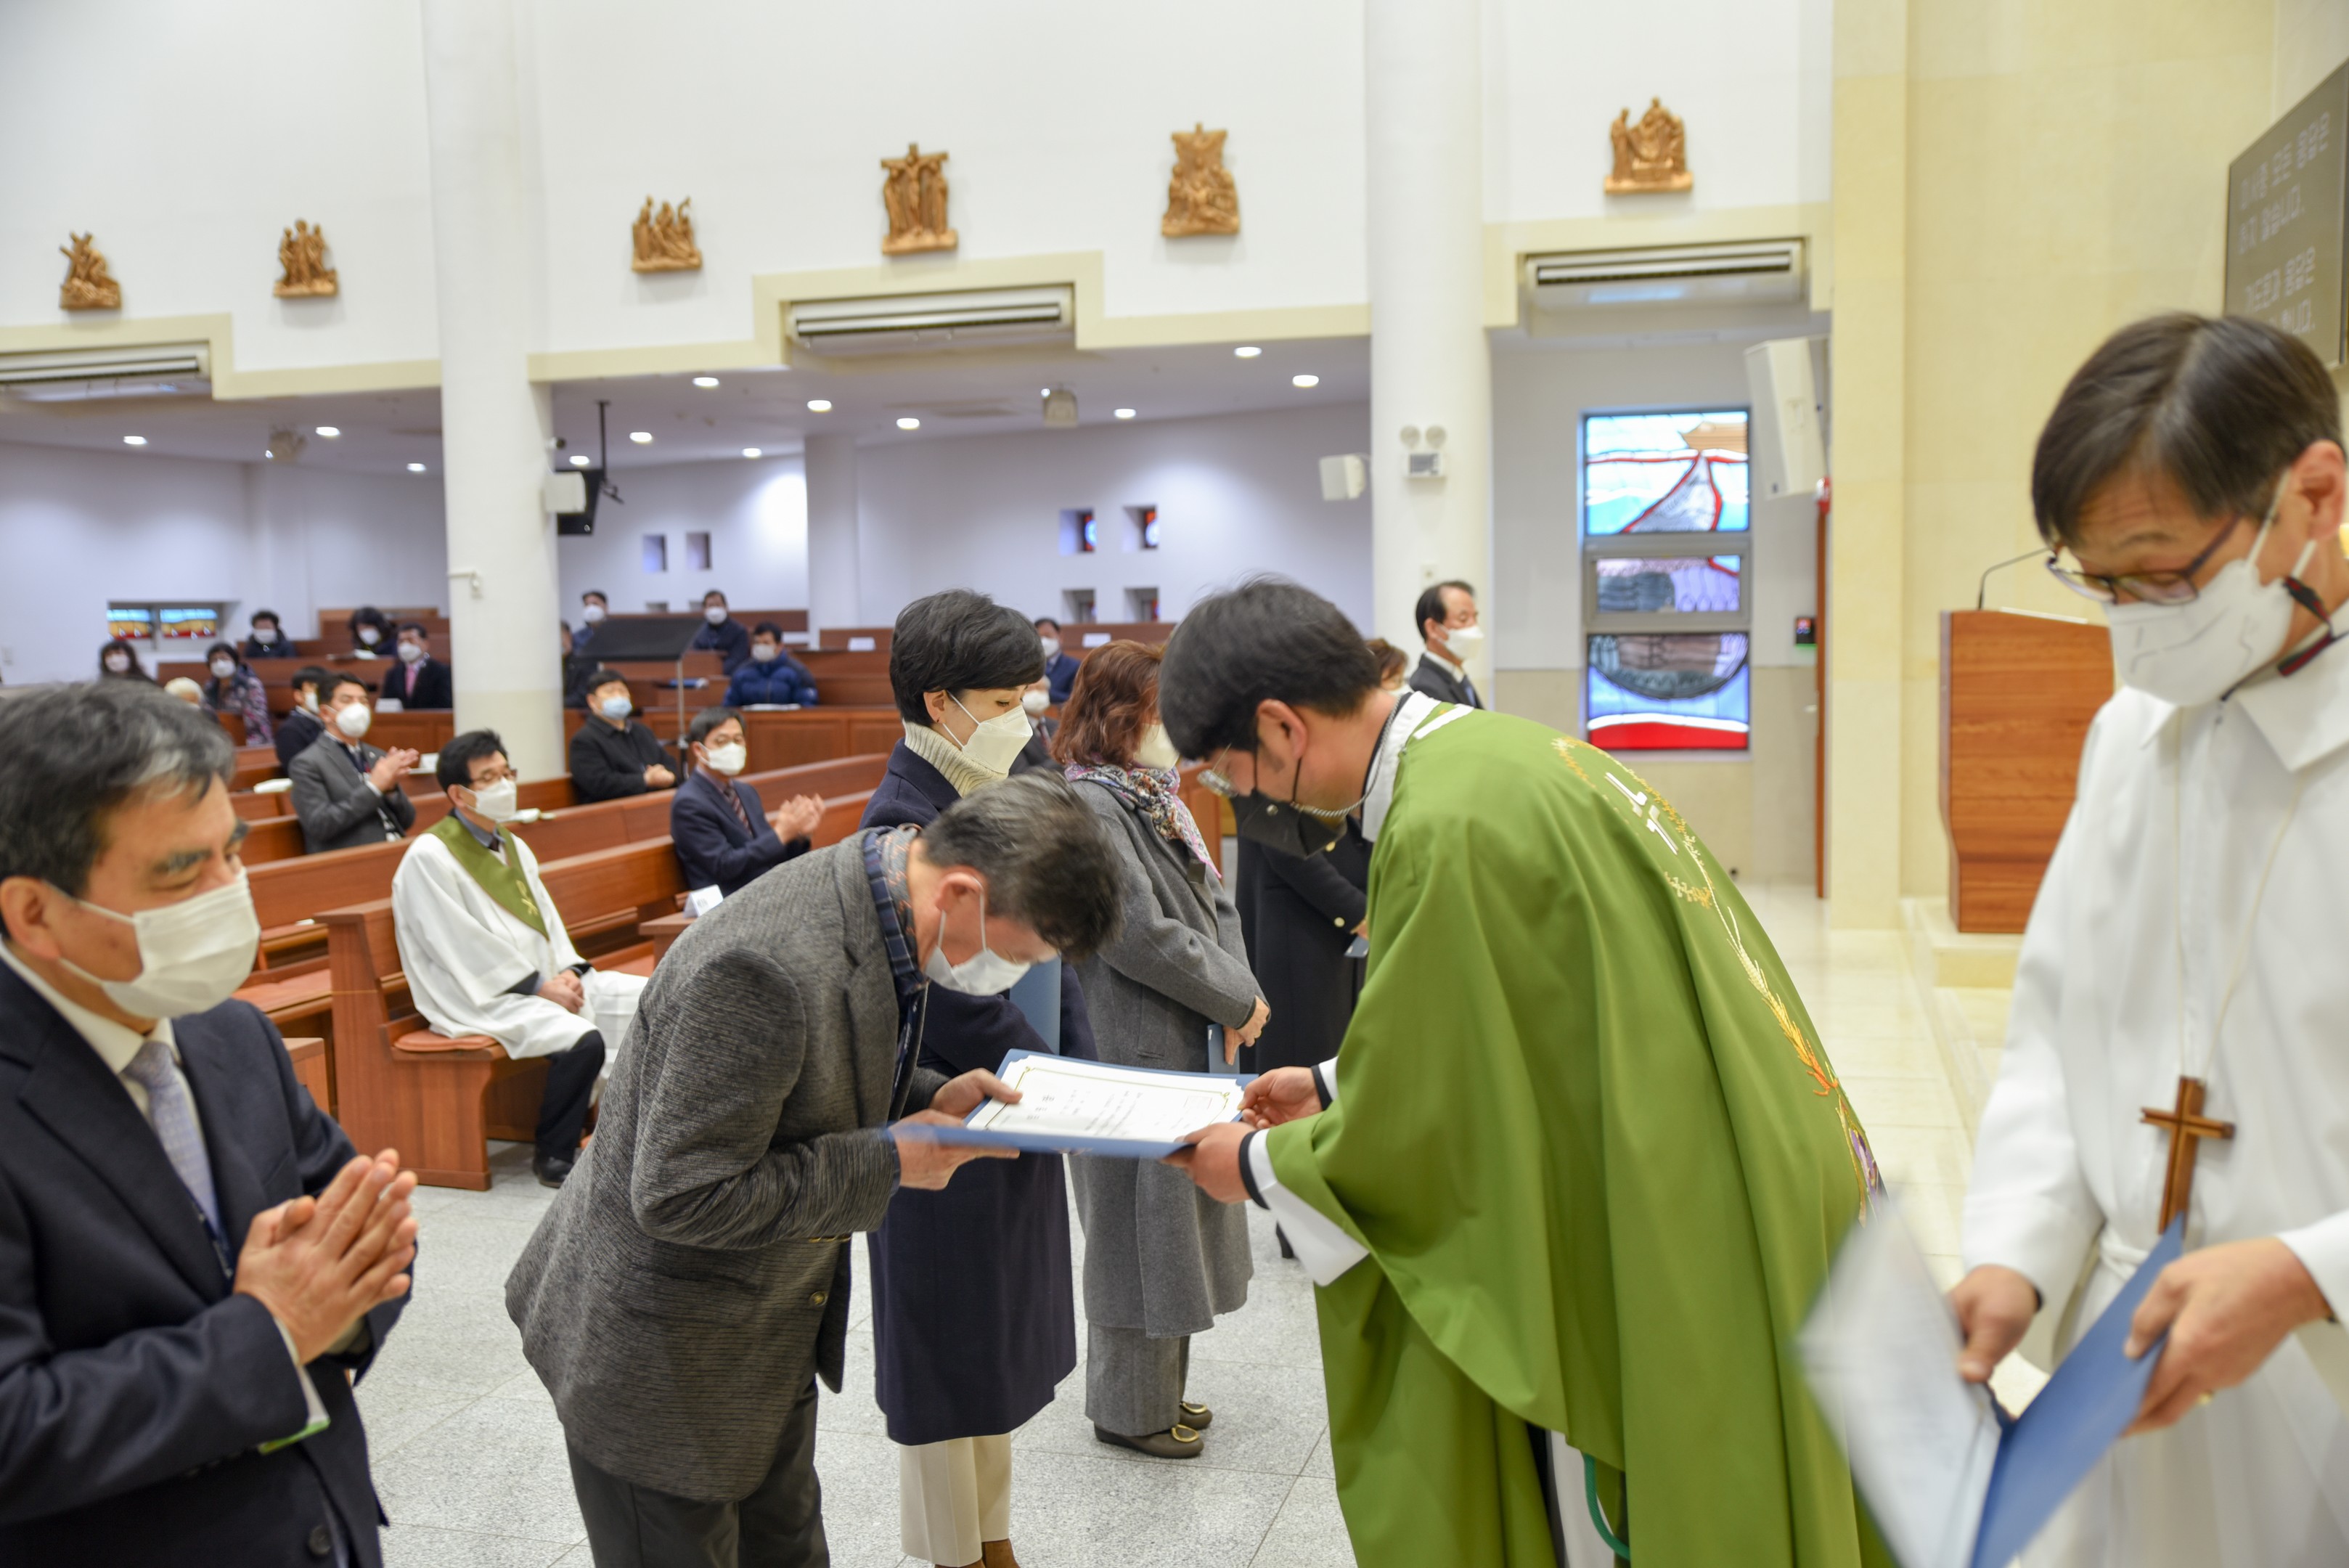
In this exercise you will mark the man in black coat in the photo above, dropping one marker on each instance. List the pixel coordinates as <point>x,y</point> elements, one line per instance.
<point>723,634</point>
<point>420,681</point>
<point>193,1266</point>
<point>717,822</point>
<point>1448,625</point>
<point>301,725</point>
<point>1300,914</point>
<point>614,756</point>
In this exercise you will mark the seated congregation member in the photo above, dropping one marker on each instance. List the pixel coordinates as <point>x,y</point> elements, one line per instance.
<point>614,756</point>
<point>576,668</point>
<point>267,639</point>
<point>194,1266</point>
<point>1060,668</point>
<point>1448,625</point>
<point>346,792</point>
<point>593,607</point>
<point>1162,1261</point>
<point>185,691</point>
<point>118,660</point>
<point>371,632</point>
<point>686,1289</point>
<point>301,725</point>
<point>421,681</point>
<point>771,675</point>
<point>485,952</point>
<point>233,688</point>
<point>723,633</point>
<point>974,1316</point>
<point>717,822</point>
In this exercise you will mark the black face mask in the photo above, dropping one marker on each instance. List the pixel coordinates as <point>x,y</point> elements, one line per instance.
<point>1285,825</point>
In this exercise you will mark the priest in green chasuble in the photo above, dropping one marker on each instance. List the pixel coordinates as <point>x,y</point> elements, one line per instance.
<point>1580,1168</point>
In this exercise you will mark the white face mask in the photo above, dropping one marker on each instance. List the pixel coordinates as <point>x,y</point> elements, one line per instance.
<point>592,614</point>
<point>997,740</point>
<point>1051,648</point>
<point>119,664</point>
<point>615,708</point>
<point>1464,639</point>
<point>2195,652</point>
<point>193,955</point>
<point>1156,751</point>
<point>985,973</point>
<point>310,700</point>
<point>223,668</point>
<point>715,615</point>
<point>729,759</point>
<point>498,802</point>
<point>370,637</point>
<point>410,652</point>
<point>1033,704</point>
<point>764,653</point>
<point>265,634</point>
<point>353,721</point>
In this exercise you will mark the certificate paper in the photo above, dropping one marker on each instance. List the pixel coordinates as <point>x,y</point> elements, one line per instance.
<point>1091,1107</point>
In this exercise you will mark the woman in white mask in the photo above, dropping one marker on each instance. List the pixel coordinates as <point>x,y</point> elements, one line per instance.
<point>233,688</point>
<point>1172,990</point>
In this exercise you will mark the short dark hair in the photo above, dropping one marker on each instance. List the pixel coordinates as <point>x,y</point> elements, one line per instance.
<point>227,648</point>
<point>308,675</point>
<point>2218,407</point>
<point>115,644</point>
<point>717,594</point>
<point>1430,604</point>
<point>417,626</point>
<point>767,629</point>
<point>336,680</point>
<point>1267,640</point>
<point>367,615</point>
<point>1109,707</point>
<point>601,677</point>
<point>1041,621</point>
<point>1048,862</point>
<point>270,616</point>
<point>709,718</point>
<point>596,594</point>
<point>457,757</point>
<point>959,641</point>
<point>71,755</point>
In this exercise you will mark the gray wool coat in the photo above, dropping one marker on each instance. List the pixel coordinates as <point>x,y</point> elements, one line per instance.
<point>693,1273</point>
<point>1161,1256</point>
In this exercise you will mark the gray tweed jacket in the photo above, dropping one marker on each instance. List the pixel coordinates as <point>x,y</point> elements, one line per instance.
<point>694,1271</point>
<point>1161,1255</point>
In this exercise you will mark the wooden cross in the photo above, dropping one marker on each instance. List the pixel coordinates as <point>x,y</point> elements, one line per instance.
<point>2186,1124</point>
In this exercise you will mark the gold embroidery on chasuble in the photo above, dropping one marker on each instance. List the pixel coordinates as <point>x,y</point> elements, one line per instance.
<point>1650,812</point>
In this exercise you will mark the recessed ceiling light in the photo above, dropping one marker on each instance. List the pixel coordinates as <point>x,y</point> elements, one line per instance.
<point>580,460</point>
<point>1247,351</point>
<point>329,431</point>
<point>1123,413</point>
<point>705,380</point>
<point>415,468</point>
<point>819,405</point>
<point>749,452</point>
<point>134,441</point>
<point>1305,381</point>
<point>909,423</point>
<point>642,438</point>
<point>1046,392</point>
<point>268,456</point>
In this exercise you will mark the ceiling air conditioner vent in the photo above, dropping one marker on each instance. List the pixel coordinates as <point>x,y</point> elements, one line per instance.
<point>155,371</point>
<point>1748,272</point>
<point>930,323</point>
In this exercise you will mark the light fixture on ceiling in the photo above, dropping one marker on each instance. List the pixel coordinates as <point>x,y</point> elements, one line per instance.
<point>909,423</point>
<point>134,441</point>
<point>581,460</point>
<point>1045,393</point>
<point>285,445</point>
<point>819,405</point>
<point>642,438</point>
<point>1122,413</point>
<point>749,452</point>
<point>1247,351</point>
<point>705,380</point>
<point>330,431</point>
<point>415,468</point>
<point>1305,381</point>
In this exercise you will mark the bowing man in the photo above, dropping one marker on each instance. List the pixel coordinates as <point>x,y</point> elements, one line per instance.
<point>723,835</point>
<point>486,953</point>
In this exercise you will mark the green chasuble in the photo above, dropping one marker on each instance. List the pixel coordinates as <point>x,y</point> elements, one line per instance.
<point>1587,1134</point>
<point>500,879</point>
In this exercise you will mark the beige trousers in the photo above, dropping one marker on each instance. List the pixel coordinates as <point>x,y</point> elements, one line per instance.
<point>953,1495</point>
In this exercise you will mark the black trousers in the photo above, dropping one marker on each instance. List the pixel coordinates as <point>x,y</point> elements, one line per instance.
<point>778,1525</point>
<point>570,1089</point>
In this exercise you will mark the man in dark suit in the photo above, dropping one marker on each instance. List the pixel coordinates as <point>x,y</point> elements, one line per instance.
<point>268,638</point>
<point>719,826</point>
<point>420,681</point>
<point>301,725</point>
<point>723,634</point>
<point>613,755</point>
<point>1447,624</point>
<point>691,1281</point>
<point>347,792</point>
<point>1060,668</point>
<point>193,1266</point>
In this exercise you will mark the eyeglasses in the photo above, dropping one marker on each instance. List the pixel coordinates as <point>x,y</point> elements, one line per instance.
<point>2150,588</point>
<point>1217,781</point>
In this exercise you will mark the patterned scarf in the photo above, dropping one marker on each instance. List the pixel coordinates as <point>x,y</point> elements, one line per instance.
<point>886,850</point>
<point>1151,795</point>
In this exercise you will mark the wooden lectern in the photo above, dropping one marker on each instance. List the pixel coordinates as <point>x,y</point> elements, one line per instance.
<point>2017,693</point>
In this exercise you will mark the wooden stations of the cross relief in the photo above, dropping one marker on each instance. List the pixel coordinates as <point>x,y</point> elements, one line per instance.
<point>2188,1127</point>
<point>663,240</point>
<point>88,284</point>
<point>301,261</point>
<point>1201,198</point>
<point>1650,155</point>
<point>915,192</point>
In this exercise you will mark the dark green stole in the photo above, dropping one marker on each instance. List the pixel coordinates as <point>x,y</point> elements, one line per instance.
<point>500,879</point>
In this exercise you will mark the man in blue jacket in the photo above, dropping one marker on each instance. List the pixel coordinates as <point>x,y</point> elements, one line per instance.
<point>1060,668</point>
<point>769,676</point>
<point>720,829</point>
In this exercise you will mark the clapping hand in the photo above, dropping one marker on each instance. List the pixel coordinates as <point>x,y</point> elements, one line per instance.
<point>797,817</point>
<point>319,1264</point>
<point>1283,1095</point>
<point>390,768</point>
<point>659,777</point>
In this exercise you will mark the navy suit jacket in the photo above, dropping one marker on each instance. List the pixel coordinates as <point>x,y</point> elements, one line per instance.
<point>713,848</point>
<point>730,639</point>
<point>135,1389</point>
<point>426,683</point>
<point>1061,674</point>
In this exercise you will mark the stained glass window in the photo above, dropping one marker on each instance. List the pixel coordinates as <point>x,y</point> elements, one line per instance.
<point>1666,614</point>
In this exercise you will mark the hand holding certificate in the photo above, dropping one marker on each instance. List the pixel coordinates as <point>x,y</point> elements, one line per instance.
<point>1066,1105</point>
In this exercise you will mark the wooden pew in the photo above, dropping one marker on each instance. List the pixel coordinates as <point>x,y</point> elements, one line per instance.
<point>254,764</point>
<point>309,1054</point>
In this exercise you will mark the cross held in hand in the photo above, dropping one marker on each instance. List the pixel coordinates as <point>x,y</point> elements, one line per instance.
<point>2187,1124</point>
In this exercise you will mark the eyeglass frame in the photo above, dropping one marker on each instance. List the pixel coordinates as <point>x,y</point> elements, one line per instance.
<point>2082,583</point>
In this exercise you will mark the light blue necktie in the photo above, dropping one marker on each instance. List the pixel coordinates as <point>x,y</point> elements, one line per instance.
<point>173,1113</point>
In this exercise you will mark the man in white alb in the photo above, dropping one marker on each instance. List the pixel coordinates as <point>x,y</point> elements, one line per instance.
<point>2177,1038</point>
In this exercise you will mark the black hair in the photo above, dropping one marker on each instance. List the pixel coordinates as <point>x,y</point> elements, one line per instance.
<point>1267,640</point>
<point>335,679</point>
<point>367,615</point>
<point>767,629</point>
<point>717,594</point>
<point>1047,861</point>
<point>227,648</point>
<point>71,755</point>
<point>138,669</point>
<point>309,675</point>
<point>601,677</point>
<point>419,627</point>
<point>1041,621</point>
<point>959,641</point>
<point>270,616</point>
<point>2218,407</point>
<point>596,594</point>
<point>709,718</point>
<point>457,757</point>
<point>1430,604</point>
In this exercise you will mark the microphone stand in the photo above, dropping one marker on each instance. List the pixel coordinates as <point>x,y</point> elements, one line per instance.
<point>1981,589</point>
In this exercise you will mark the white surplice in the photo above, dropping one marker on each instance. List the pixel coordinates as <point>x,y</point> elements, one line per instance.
<point>463,953</point>
<point>2147,916</point>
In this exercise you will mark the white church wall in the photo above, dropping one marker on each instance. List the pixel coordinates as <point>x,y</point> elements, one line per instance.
<point>755,512</point>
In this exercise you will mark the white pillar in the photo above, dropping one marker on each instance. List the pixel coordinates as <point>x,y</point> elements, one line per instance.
<point>1430,362</point>
<point>496,425</point>
<point>836,583</point>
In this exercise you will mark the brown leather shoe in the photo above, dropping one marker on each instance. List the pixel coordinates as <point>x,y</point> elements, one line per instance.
<point>1177,1442</point>
<point>997,1554</point>
<point>1198,1417</point>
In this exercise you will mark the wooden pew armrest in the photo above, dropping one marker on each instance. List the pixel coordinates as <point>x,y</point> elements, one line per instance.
<point>431,1043</point>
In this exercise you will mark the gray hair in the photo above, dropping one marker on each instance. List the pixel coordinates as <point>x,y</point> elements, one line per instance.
<point>72,756</point>
<point>1048,862</point>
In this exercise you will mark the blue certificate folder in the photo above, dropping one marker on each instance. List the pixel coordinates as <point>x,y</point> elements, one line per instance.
<point>1064,1143</point>
<point>2050,1448</point>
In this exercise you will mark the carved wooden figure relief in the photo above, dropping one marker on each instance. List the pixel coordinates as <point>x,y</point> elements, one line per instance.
<point>1651,155</point>
<point>915,192</point>
<point>302,258</point>
<point>664,239</point>
<point>88,286</point>
<point>1201,198</point>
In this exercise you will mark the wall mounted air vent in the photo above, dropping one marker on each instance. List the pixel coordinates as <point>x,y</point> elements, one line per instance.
<point>1748,272</point>
<point>932,323</point>
<point>157,370</point>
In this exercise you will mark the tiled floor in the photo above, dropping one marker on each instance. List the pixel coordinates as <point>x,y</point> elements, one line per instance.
<point>469,1459</point>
